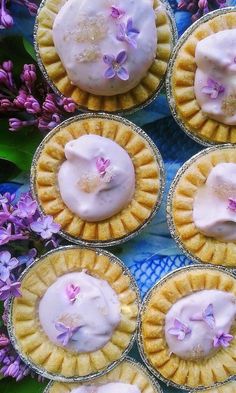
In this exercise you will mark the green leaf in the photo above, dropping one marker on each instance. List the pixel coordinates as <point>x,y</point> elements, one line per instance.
<point>27,385</point>
<point>29,48</point>
<point>18,147</point>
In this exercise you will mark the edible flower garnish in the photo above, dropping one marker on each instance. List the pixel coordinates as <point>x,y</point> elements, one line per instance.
<point>222,339</point>
<point>213,88</point>
<point>207,316</point>
<point>180,330</point>
<point>67,332</point>
<point>115,66</point>
<point>128,33</point>
<point>232,204</point>
<point>102,164</point>
<point>116,13</point>
<point>72,291</point>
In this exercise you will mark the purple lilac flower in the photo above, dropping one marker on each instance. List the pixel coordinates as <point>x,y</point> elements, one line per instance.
<point>116,13</point>
<point>6,235</point>
<point>115,66</point>
<point>20,100</point>
<point>6,20</point>
<point>28,258</point>
<point>45,227</point>
<point>7,263</point>
<point>102,164</point>
<point>4,340</point>
<point>213,88</point>
<point>200,7</point>
<point>222,339</point>
<point>10,289</point>
<point>207,316</point>
<point>72,291</point>
<point>180,330</point>
<point>232,204</point>
<point>49,104</point>
<point>69,105</point>
<point>66,332</point>
<point>32,105</point>
<point>5,214</point>
<point>26,207</point>
<point>128,33</point>
<point>29,76</point>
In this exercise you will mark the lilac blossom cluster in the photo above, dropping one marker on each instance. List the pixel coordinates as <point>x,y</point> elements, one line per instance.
<point>200,7</point>
<point>31,100</point>
<point>21,228</point>
<point>6,20</point>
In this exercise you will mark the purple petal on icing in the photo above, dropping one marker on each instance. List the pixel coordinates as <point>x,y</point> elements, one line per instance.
<point>130,28</point>
<point>123,74</point>
<point>64,338</point>
<point>180,330</point>
<point>121,32</point>
<point>61,327</point>
<point>108,59</point>
<point>207,90</point>
<point>121,57</point>
<point>132,42</point>
<point>232,204</point>
<point>116,13</point>
<point>208,316</point>
<point>72,291</point>
<point>110,73</point>
<point>222,339</point>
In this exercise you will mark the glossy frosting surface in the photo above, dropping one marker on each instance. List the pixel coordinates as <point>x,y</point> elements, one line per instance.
<point>215,78</point>
<point>85,31</point>
<point>87,190</point>
<point>95,310</point>
<point>198,342</point>
<point>212,214</point>
<point>112,387</point>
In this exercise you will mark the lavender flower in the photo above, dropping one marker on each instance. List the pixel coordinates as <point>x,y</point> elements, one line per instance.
<point>180,330</point>
<point>72,291</point>
<point>207,316</point>
<point>26,207</point>
<point>67,333</point>
<point>45,227</point>
<point>7,263</point>
<point>116,13</point>
<point>222,339</point>
<point>10,289</point>
<point>115,66</point>
<point>6,198</point>
<point>102,164</point>
<point>128,33</point>
<point>213,88</point>
<point>200,7</point>
<point>232,204</point>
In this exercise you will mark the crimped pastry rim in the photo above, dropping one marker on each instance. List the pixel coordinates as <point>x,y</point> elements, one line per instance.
<point>146,299</point>
<point>59,377</point>
<point>174,37</point>
<point>169,86</point>
<point>135,129</point>
<point>169,211</point>
<point>209,390</point>
<point>133,362</point>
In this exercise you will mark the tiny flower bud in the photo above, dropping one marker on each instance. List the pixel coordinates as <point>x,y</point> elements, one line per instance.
<point>7,65</point>
<point>15,124</point>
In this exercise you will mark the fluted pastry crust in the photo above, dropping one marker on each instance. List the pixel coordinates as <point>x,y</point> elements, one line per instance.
<point>147,185</point>
<point>226,388</point>
<point>207,249</point>
<point>34,344</point>
<point>182,81</point>
<point>126,372</point>
<point>192,374</point>
<point>57,74</point>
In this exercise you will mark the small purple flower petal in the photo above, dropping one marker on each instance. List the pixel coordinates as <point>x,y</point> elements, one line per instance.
<point>213,88</point>
<point>128,33</point>
<point>108,59</point>
<point>10,289</point>
<point>222,339</point>
<point>206,316</point>
<point>116,13</point>
<point>123,74</point>
<point>45,227</point>
<point>67,332</point>
<point>232,204</point>
<point>109,73</point>
<point>180,330</point>
<point>121,57</point>
<point>72,291</point>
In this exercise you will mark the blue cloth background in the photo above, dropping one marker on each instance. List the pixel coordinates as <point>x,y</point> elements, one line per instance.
<point>153,253</point>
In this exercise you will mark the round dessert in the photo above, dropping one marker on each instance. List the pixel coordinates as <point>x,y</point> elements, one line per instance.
<point>201,208</point>
<point>228,387</point>
<point>201,79</point>
<point>105,55</point>
<point>101,179</point>
<point>129,377</point>
<point>77,316</point>
<point>187,328</point>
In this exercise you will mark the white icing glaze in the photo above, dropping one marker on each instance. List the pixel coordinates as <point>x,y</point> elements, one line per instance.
<point>96,309</point>
<point>84,31</point>
<point>215,57</point>
<point>95,199</point>
<point>111,387</point>
<point>211,214</point>
<point>199,343</point>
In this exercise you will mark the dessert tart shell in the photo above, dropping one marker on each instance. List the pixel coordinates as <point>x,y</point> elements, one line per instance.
<point>180,81</point>
<point>181,373</point>
<point>228,387</point>
<point>149,175</point>
<point>128,371</point>
<point>30,341</point>
<point>138,97</point>
<point>192,242</point>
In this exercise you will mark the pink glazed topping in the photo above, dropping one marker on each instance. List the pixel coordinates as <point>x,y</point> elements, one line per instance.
<point>111,387</point>
<point>214,207</point>
<point>106,46</point>
<point>97,180</point>
<point>198,324</point>
<point>215,78</point>
<point>79,312</point>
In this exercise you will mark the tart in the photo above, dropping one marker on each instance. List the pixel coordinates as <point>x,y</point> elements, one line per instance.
<point>106,56</point>
<point>100,177</point>
<point>77,316</point>
<point>228,387</point>
<point>200,88</point>
<point>187,328</point>
<point>200,211</point>
<point>131,374</point>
